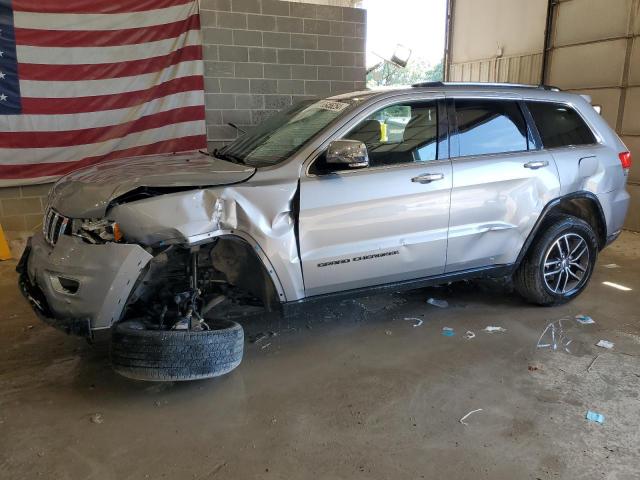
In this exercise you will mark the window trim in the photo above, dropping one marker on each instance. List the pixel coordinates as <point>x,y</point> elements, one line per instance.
<point>444,136</point>
<point>594,131</point>
<point>455,139</point>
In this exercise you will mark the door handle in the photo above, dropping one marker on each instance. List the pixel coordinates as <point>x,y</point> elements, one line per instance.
<point>536,164</point>
<point>427,178</point>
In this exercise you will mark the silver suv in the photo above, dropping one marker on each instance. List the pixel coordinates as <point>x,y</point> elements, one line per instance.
<point>376,189</point>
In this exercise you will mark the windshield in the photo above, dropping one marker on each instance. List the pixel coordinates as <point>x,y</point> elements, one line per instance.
<point>275,139</point>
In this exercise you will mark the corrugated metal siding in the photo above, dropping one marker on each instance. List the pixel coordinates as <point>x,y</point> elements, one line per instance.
<point>515,69</point>
<point>595,49</point>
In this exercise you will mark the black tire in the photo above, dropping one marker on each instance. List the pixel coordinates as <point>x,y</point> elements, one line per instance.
<point>176,355</point>
<point>529,279</point>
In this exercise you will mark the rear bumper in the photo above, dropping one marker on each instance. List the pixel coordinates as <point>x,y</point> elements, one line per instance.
<point>104,275</point>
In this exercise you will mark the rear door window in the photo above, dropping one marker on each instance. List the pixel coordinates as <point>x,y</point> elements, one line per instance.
<point>490,126</point>
<point>559,125</point>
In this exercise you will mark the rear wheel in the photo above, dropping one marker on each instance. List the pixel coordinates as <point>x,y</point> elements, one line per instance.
<point>560,262</point>
<point>144,353</point>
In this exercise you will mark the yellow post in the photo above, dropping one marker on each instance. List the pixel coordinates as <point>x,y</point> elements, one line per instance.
<point>5,252</point>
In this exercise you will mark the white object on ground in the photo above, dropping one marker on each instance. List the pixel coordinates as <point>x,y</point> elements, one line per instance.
<point>462,420</point>
<point>584,319</point>
<point>438,303</point>
<point>491,329</point>
<point>469,335</point>
<point>416,321</point>
<point>611,265</point>
<point>605,344</point>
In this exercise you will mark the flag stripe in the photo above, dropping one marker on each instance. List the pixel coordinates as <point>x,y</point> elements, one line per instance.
<point>96,80</point>
<point>25,156</point>
<point>92,88</point>
<point>93,55</point>
<point>182,144</point>
<point>99,21</point>
<point>31,71</point>
<point>75,121</point>
<point>87,136</point>
<point>109,102</point>
<point>92,6</point>
<point>105,38</point>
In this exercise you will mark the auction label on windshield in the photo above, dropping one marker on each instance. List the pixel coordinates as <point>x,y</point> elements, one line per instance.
<point>330,105</point>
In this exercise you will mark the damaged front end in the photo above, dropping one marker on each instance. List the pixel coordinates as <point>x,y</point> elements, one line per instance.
<point>166,259</point>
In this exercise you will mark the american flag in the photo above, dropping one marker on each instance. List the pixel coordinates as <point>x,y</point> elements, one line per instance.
<point>87,81</point>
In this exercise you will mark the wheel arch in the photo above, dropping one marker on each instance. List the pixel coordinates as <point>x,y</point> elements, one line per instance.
<point>583,205</point>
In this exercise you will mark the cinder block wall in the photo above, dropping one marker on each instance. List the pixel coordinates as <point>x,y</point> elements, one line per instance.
<point>21,207</point>
<point>263,55</point>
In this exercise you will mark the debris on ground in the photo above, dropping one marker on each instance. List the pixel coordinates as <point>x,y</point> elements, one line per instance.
<point>96,418</point>
<point>438,303</point>
<point>388,332</point>
<point>462,420</point>
<point>266,345</point>
<point>584,319</point>
<point>28,327</point>
<point>611,265</point>
<point>448,332</point>
<point>469,335</point>
<point>592,363</point>
<point>259,337</point>
<point>595,417</point>
<point>605,344</point>
<point>491,329</point>
<point>416,321</point>
<point>534,367</point>
<point>554,336</point>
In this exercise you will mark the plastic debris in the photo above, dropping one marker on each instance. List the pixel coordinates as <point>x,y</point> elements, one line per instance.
<point>584,319</point>
<point>388,332</point>
<point>462,420</point>
<point>438,303</point>
<point>605,344</point>
<point>595,417</point>
<point>469,335</point>
<point>266,345</point>
<point>592,363</point>
<point>96,418</point>
<point>448,332</point>
<point>491,329</point>
<point>611,265</point>
<point>554,336</point>
<point>416,321</point>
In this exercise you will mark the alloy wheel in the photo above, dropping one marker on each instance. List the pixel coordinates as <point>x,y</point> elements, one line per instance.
<point>566,264</point>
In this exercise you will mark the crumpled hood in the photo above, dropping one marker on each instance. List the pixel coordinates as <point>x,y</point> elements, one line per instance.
<point>86,193</point>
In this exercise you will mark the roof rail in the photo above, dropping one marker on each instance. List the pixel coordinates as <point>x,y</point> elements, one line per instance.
<point>482,84</point>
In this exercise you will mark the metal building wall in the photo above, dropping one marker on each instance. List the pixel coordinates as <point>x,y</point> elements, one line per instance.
<point>594,48</point>
<point>496,40</point>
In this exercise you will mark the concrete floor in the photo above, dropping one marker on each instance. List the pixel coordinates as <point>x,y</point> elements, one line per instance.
<point>347,391</point>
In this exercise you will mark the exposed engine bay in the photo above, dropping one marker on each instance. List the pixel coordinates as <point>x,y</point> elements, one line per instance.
<point>186,288</point>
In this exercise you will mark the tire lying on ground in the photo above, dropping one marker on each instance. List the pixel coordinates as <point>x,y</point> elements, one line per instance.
<point>175,355</point>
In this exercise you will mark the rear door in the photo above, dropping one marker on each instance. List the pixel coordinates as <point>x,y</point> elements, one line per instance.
<point>384,223</point>
<point>501,181</point>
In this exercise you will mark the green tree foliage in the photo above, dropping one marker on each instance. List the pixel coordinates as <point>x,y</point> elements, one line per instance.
<point>417,70</point>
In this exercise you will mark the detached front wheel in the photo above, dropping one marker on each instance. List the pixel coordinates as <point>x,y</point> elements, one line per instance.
<point>176,355</point>
<point>559,264</point>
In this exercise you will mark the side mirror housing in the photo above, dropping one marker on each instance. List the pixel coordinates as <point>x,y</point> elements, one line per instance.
<point>347,154</point>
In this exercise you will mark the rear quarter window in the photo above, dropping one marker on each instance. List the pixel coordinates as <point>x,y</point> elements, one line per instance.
<point>560,125</point>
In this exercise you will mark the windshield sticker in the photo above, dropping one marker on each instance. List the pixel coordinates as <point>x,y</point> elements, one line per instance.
<point>330,105</point>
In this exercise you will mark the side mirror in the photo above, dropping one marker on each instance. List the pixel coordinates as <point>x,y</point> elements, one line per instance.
<point>347,154</point>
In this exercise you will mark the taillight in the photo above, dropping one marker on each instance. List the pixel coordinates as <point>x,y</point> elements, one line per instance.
<point>625,161</point>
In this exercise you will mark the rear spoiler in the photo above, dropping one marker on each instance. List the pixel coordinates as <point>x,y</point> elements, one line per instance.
<point>597,108</point>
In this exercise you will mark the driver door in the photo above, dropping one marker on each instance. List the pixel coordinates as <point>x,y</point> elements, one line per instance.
<point>387,222</point>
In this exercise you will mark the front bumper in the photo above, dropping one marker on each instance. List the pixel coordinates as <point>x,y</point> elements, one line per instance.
<point>104,274</point>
